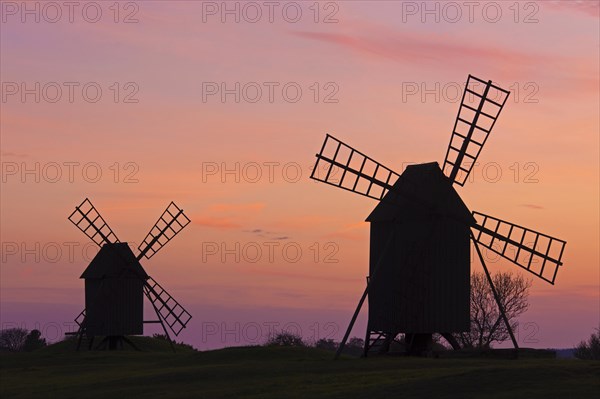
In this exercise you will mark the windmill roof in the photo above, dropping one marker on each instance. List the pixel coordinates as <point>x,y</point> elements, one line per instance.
<point>421,191</point>
<point>114,260</point>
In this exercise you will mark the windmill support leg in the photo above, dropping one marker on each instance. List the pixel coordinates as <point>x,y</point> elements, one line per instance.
<point>418,343</point>
<point>367,341</point>
<point>102,344</point>
<point>496,297</point>
<point>354,316</point>
<point>383,340</point>
<point>387,343</point>
<point>166,333</point>
<point>130,343</point>
<point>360,303</point>
<point>451,340</point>
<point>163,326</point>
<point>79,338</point>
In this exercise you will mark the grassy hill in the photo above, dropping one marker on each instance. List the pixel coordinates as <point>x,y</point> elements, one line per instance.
<point>283,372</point>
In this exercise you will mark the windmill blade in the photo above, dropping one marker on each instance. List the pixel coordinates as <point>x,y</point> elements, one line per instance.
<point>538,253</point>
<point>87,219</point>
<point>479,109</point>
<point>167,308</point>
<point>171,222</point>
<point>342,166</point>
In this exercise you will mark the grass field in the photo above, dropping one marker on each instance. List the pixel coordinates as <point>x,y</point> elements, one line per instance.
<point>284,372</point>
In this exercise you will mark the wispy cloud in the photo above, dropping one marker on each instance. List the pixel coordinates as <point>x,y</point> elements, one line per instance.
<point>532,206</point>
<point>429,49</point>
<point>268,234</point>
<point>419,48</point>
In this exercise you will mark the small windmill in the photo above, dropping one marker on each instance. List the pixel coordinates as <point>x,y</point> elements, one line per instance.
<point>115,281</point>
<point>419,265</point>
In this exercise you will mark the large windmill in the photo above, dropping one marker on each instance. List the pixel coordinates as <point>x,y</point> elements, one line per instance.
<point>419,266</point>
<point>115,281</point>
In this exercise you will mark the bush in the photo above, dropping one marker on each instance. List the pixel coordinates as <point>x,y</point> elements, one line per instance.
<point>12,339</point>
<point>590,349</point>
<point>285,339</point>
<point>354,347</point>
<point>182,344</point>
<point>327,344</point>
<point>34,341</point>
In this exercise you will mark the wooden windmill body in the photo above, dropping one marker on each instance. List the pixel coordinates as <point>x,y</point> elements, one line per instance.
<point>114,292</point>
<point>116,282</point>
<point>421,232</point>
<point>416,290</point>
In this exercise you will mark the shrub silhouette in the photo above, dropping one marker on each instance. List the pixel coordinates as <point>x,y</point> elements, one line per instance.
<point>590,349</point>
<point>285,339</point>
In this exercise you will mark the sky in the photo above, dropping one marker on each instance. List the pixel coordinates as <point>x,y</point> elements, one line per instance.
<point>221,107</point>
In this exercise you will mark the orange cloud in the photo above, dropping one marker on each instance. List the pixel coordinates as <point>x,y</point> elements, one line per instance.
<point>569,75</point>
<point>532,206</point>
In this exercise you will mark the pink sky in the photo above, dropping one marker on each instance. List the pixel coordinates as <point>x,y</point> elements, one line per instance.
<point>166,143</point>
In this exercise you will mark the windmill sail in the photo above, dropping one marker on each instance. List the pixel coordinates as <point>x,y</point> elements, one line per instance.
<point>479,109</point>
<point>167,308</point>
<point>342,166</point>
<point>87,219</point>
<point>171,222</point>
<point>538,253</point>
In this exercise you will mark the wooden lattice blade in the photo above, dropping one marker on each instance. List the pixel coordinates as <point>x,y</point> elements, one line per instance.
<point>340,165</point>
<point>168,309</point>
<point>169,224</point>
<point>87,219</point>
<point>479,109</point>
<point>538,253</point>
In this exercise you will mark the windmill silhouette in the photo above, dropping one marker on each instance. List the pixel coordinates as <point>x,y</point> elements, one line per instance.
<point>421,230</point>
<point>115,281</point>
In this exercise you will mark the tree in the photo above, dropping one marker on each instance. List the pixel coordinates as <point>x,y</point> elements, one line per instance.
<point>285,339</point>
<point>354,346</point>
<point>487,325</point>
<point>34,341</point>
<point>327,344</point>
<point>589,350</point>
<point>12,339</point>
